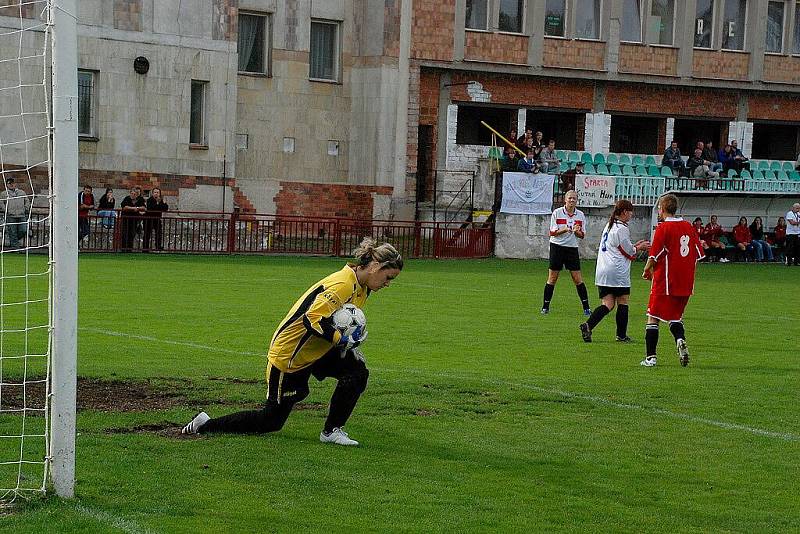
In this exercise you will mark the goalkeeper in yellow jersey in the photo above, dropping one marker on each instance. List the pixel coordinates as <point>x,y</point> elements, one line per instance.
<point>306,343</point>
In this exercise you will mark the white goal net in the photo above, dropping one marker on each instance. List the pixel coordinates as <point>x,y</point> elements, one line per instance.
<point>27,259</point>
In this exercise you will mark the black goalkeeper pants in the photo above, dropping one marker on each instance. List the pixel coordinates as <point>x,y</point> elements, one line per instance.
<point>284,390</point>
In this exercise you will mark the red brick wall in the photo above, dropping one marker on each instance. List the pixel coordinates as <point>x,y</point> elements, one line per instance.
<point>782,68</point>
<point>128,15</point>
<point>720,65</point>
<point>527,91</point>
<point>773,106</point>
<point>661,142</point>
<point>496,47</point>
<point>671,101</point>
<point>586,55</point>
<point>648,59</point>
<point>327,200</point>
<point>580,132</point>
<point>432,29</point>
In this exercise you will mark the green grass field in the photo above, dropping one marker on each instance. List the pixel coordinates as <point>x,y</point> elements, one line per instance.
<point>481,414</point>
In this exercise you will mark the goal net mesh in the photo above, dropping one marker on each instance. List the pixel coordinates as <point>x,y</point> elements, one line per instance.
<point>25,246</point>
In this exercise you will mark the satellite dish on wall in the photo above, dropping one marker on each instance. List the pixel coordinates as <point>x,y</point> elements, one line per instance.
<point>141,65</point>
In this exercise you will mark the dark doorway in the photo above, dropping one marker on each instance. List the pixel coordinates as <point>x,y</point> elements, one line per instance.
<point>424,163</point>
<point>635,135</point>
<point>559,125</point>
<point>688,132</point>
<point>775,141</point>
<point>470,131</point>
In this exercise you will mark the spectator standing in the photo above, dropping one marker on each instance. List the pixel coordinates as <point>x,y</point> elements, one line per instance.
<point>711,155</point>
<point>567,225</point>
<point>105,208</point>
<point>569,176</point>
<point>712,234</point>
<point>85,203</point>
<point>672,158</point>
<point>133,207</point>
<point>793,235</point>
<point>16,208</point>
<point>762,249</point>
<point>548,157</point>
<point>525,142</point>
<point>743,237</point>
<point>779,237</point>
<point>152,223</point>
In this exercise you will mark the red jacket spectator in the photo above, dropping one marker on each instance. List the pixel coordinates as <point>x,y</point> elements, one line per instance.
<point>779,236</point>
<point>741,233</point>
<point>713,231</point>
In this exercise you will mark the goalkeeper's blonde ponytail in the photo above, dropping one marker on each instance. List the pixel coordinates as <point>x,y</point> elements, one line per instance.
<point>385,254</point>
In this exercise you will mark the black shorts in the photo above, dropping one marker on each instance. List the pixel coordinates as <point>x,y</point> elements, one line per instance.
<point>564,257</point>
<point>293,387</point>
<point>616,291</point>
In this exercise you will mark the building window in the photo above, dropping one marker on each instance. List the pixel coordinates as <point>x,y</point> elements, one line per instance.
<point>477,15</point>
<point>86,100</point>
<point>704,24</point>
<point>775,14</point>
<point>733,24</point>
<point>631,22</point>
<point>324,64</point>
<point>587,19</point>
<point>197,114</point>
<point>511,15</point>
<point>662,21</point>
<point>254,43</point>
<point>796,46</point>
<point>554,17</point>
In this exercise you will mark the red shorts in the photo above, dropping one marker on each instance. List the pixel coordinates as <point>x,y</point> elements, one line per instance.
<point>666,307</point>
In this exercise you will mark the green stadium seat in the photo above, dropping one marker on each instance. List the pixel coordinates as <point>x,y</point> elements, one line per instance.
<point>611,159</point>
<point>641,170</point>
<point>588,168</point>
<point>602,169</point>
<point>775,166</point>
<point>788,166</point>
<point>794,175</point>
<point>495,152</point>
<point>563,166</point>
<point>769,175</point>
<point>653,170</point>
<point>586,157</point>
<point>782,175</point>
<point>757,174</point>
<point>574,157</point>
<point>732,173</point>
<point>637,160</point>
<point>599,159</point>
<point>627,170</point>
<point>561,155</point>
<point>746,175</point>
<point>624,159</point>
<point>614,170</point>
<point>666,172</point>
<point>650,160</point>
<point>763,165</point>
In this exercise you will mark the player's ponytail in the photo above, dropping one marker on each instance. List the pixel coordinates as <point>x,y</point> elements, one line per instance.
<point>385,254</point>
<point>620,207</point>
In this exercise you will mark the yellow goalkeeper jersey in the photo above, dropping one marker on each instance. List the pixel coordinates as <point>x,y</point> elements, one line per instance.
<point>307,332</point>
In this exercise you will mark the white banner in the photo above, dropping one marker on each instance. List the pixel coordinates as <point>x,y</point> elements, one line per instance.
<point>595,191</point>
<point>527,194</point>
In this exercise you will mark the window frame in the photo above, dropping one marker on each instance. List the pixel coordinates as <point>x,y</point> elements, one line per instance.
<point>337,40</point>
<point>267,29</point>
<point>651,38</point>
<point>204,84</point>
<point>523,5</point>
<point>714,17</point>
<point>795,48</point>
<point>565,22</point>
<point>92,134</point>
<point>641,41</point>
<point>488,17</point>
<point>784,18</point>
<point>574,23</point>
<point>744,27</point>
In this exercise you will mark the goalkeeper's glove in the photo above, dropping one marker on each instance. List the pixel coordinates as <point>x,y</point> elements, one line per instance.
<point>353,340</point>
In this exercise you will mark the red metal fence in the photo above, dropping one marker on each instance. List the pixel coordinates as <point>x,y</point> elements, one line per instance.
<point>226,233</point>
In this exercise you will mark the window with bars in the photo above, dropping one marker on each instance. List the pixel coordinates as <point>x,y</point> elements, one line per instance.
<point>324,57</point>
<point>254,43</point>
<point>86,113</point>
<point>197,113</point>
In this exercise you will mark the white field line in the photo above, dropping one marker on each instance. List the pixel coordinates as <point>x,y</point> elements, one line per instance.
<point>125,525</point>
<point>785,436</point>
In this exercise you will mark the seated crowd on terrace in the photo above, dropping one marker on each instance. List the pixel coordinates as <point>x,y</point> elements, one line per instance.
<point>743,242</point>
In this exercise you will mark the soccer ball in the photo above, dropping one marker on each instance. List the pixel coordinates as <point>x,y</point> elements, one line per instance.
<point>347,318</point>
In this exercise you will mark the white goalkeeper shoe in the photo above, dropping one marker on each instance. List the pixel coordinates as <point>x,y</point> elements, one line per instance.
<point>337,436</point>
<point>650,361</point>
<point>193,427</point>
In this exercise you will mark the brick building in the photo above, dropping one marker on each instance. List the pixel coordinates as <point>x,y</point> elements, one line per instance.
<point>349,106</point>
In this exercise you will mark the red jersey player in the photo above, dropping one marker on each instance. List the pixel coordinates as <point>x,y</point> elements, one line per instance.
<point>674,253</point>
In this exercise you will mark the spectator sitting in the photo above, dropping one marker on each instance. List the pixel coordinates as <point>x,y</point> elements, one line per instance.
<point>105,208</point>
<point>568,177</point>
<point>510,160</point>
<point>779,237</point>
<point>698,227</point>
<point>726,157</point>
<point>741,161</point>
<point>548,158</point>
<point>711,155</point>
<point>760,246</point>
<point>743,238</point>
<point>700,168</point>
<point>712,234</point>
<point>528,163</point>
<point>672,158</point>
